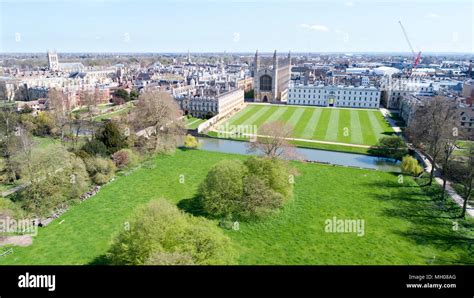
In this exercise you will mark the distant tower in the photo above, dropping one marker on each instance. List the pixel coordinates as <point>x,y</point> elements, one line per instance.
<point>275,76</point>
<point>53,62</point>
<point>189,57</point>
<point>256,63</point>
<point>289,58</point>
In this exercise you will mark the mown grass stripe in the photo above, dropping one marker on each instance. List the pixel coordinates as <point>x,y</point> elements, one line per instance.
<point>374,123</point>
<point>246,113</point>
<point>303,123</point>
<point>368,132</point>
<point>263,118</point>
<point>287,114</point>
<point>276,114</point>
<point>322,127</point>
<point>295,118</point>
<point>344,131</point>
<point>256,115</point>
<point>333,126</point>
<point>356,128</point>
<point>312,124</point>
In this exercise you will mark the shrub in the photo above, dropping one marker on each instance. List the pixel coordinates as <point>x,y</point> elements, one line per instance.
<point>160,234</point>
<point>410,166</point>
<point>124,158</point>
<point>190,142</point>
<point>100,170</point>
<point>252,189</point>
<point>95,147</point>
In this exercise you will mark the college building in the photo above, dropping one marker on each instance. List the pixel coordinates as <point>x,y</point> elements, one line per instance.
<point>334,96</point>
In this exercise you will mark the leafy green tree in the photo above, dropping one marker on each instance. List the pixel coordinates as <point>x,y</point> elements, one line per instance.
<point>134,95</point>
<point>160,234</point>
<point>275,173</point>
<point>223,187</point>
<point>410,166</point>
<point>252,189</point>
<point>391,147</point>
<point>53,177</point>
<point>122,93</point>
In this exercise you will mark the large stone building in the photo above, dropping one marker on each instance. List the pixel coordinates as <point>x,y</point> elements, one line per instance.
<point>55,65</point>
<point>208,102</point>
<point>271,82</point>
<point>334,96</point>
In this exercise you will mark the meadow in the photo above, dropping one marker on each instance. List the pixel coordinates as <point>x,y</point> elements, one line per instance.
<point>403,223</point>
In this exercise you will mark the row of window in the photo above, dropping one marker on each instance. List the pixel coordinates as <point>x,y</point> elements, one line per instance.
<point>338,97</point>
<point>325,91</point>
<point>339,104</point>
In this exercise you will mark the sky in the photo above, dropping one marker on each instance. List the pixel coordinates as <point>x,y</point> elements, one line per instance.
<point>235,26</point>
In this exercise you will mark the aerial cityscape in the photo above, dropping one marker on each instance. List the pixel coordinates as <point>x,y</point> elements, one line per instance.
<point>240,133</point>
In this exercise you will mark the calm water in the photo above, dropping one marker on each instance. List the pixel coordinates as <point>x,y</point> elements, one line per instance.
<point>338,158</point>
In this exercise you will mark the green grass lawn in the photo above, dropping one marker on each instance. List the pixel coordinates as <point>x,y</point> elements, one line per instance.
<point>193,123</point>
<point>403,224</point>
<point>352,126</point>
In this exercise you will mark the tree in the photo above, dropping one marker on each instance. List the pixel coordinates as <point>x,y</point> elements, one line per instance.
<point>134,95</point>
<point>157,115</point>
<point>112,138</point>
<point>53,176</point>
<point>432,122</point>
<point>123,94</point>
<point>95,147</point>
<point>448,146</point>
<point>8,142</point>
<point>391,147</point>
<point>222,189</point>
<point>410,166</point>
<point>160,234</point>
<point>190,142</point>
<point>56,103</point>
<point>252,189</point>
<point>462,172</point>
<point>273,140</point>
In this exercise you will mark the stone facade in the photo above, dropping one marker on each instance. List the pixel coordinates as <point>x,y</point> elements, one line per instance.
<point>271,82</point>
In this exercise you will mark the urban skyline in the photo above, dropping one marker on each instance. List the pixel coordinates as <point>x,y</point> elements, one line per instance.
<point>238,26</point>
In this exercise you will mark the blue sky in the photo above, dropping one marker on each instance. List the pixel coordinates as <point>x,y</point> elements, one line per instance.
<point>235,26</point>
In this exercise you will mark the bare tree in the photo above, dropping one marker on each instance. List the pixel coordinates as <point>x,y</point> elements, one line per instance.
<point>432,124</point>
<point>57,103</point>
<point>273,141</point>
<point>157,114</point>
<point>9,129</point>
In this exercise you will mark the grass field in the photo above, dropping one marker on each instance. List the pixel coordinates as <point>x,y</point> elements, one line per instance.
<point>193,123</point>
<point>354,126</point>
<point>403,222</point>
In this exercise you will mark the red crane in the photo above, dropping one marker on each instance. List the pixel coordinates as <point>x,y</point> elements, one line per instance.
<point>416,58</point>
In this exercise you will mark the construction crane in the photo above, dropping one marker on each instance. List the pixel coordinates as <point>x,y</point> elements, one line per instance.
<point>416,58</point>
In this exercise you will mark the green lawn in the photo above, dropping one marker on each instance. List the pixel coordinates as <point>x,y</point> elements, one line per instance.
<point>193,123</point>
<point>352,126</point>
<point>403,225</point>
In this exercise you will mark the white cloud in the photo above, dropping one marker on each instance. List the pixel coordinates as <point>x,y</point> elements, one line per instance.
<point>319,28</point>
<point>236,37</point>
<point>349,3</point>
<point>432,15</point>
